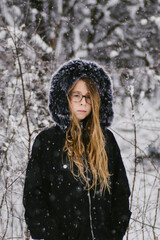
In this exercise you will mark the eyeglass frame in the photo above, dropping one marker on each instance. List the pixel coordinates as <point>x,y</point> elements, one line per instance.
<point>82,96</point>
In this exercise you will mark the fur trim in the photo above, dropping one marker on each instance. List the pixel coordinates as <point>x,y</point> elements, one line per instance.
<point>62,81</point>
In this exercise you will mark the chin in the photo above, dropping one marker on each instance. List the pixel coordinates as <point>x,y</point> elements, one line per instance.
<point>81,118</point>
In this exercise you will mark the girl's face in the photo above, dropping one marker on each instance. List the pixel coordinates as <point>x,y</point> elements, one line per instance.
<point>80,100</point>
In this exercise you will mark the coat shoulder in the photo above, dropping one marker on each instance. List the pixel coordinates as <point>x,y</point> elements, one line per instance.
<point>109,136</point>
<point>49,136</point>
<point>50,133</point>
<point>112,149</point>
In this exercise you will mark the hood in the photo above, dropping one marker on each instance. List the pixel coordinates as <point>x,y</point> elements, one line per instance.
<point>62,81</point>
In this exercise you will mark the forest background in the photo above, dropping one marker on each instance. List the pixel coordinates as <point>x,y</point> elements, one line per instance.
<point>36,37</point>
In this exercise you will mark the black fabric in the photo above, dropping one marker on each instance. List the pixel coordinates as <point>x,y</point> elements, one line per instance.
<point>62,81</point>
<point>57,206</point>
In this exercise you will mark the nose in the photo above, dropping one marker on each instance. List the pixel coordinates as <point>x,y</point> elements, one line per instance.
<point>83,101</point>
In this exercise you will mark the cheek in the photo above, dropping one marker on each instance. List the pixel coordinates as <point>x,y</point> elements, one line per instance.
<point>72,105</point>
<point>90,108</point>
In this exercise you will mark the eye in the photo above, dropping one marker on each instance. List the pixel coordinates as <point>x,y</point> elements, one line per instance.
<point>76,95</point>
<point>88,99</point>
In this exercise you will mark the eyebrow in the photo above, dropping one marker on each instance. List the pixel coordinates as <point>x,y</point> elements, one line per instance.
<point>80,92</point>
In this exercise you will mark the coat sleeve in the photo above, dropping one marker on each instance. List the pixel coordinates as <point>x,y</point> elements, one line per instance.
<point>37,214</point>
<point>120,195</point>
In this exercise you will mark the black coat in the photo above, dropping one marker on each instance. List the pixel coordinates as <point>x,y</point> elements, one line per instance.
<point>56,205</point>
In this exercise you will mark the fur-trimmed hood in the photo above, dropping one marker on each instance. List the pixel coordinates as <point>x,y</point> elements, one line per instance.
<point>62,81</point>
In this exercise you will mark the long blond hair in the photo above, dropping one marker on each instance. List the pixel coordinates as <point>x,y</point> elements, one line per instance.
<point>89,157</point>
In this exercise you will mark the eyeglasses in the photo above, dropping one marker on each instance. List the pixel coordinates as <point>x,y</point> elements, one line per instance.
<point>77,97</point>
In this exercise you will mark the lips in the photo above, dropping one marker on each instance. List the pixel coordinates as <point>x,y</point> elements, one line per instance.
<point>82,111</point>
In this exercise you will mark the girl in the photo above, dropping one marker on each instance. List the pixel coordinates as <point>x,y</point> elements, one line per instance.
<point>76,185</point>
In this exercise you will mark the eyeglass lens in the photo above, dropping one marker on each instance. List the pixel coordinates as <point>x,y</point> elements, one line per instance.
<point>77,97</point>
